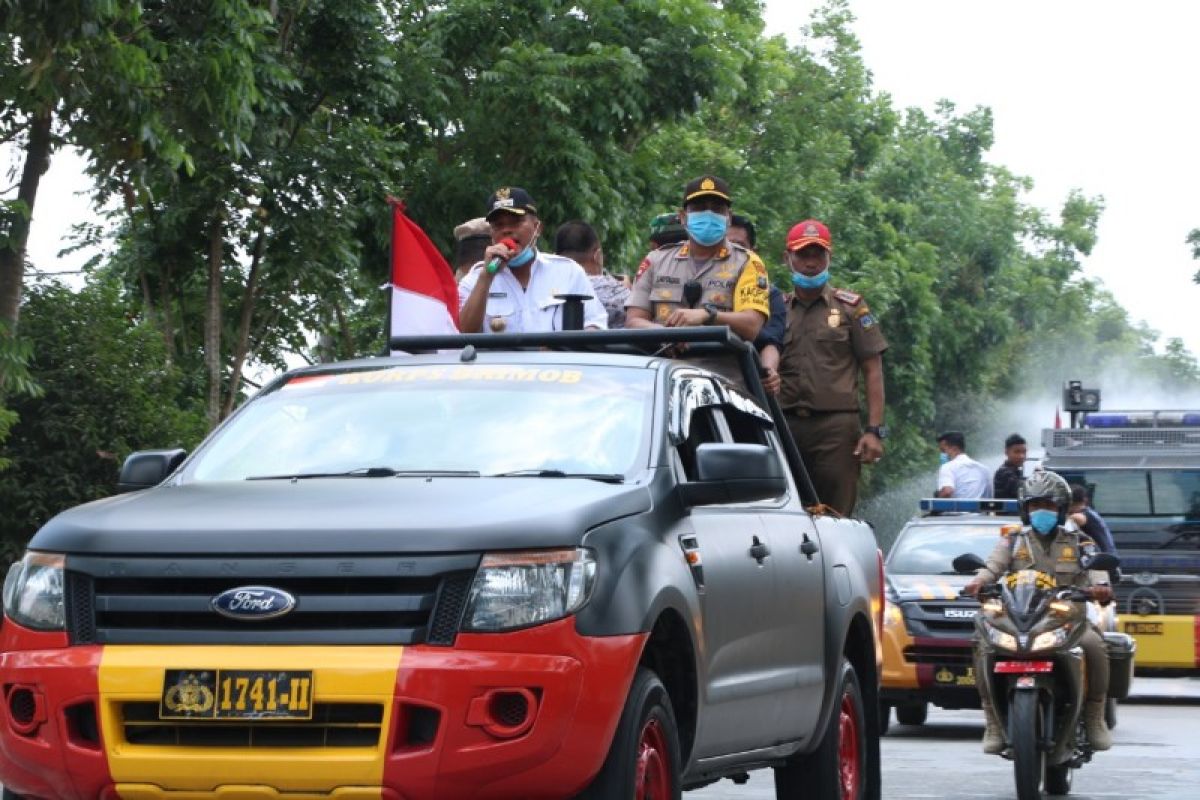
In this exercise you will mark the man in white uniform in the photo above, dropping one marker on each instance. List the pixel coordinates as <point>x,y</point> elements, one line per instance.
<point>960,475</point>
<point>514,288</point>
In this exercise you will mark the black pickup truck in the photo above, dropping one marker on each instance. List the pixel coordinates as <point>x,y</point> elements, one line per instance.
<point>533,566</point>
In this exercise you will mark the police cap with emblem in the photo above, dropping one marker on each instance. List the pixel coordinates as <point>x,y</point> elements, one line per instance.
<point>510,199</point>
<point>706,186</point>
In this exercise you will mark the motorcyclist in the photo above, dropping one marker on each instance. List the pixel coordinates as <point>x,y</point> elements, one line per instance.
<point>1043,544</point>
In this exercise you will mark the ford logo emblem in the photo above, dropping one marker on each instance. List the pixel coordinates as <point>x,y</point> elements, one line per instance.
<point>251,603</point>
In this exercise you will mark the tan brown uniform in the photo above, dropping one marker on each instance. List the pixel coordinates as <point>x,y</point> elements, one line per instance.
<point>1058,557</point>
<point>734,279</point>
<point>827,340</point>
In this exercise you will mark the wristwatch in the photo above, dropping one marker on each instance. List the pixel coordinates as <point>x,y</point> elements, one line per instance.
<point>712,310</point>
<point>880,431</point>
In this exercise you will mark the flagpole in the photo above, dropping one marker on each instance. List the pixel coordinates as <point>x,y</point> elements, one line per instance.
<point>388,287</point>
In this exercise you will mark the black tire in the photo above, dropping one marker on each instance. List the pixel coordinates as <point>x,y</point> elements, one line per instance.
<point>837,769</point>
<point>1058,779</point>
<point>1024,733</point>
<point>885,718</point>
<point>912,713</point>
<point>647,722</point>
<point>1110,713</point>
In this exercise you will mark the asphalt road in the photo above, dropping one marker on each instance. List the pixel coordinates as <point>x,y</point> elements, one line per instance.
<point>1155,754</point>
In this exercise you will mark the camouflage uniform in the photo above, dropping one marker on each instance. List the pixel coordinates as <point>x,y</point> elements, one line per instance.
<point>612,294</point>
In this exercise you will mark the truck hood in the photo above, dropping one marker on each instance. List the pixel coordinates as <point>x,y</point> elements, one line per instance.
<point>906,588</point>
<point>343,515</point>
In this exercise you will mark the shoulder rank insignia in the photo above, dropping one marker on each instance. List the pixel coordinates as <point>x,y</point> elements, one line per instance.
<point>683,251</point>
<point>723,253</point>
<point>848,297</point>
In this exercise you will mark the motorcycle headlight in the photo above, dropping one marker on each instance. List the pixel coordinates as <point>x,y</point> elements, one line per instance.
<point>993,608</point>
<point>516,590</point>
<point>1005,641</point>
<point>1050,639</point>
<point>33,592</point>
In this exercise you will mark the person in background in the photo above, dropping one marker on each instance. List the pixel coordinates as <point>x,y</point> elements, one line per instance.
<point>1088,520</point>
<point>960,476</point>
<point>578,241</point>
<point>741,231</point>
<point>1006,483</point>
<point>470,240</point>
<point>666,229</point>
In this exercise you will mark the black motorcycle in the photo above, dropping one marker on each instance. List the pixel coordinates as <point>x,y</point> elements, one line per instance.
<point>1033,671</point>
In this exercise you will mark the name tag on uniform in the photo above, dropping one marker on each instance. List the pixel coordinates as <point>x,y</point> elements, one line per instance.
<point>497,294</point>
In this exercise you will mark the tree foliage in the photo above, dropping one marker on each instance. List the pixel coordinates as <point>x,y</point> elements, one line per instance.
<point>244,149</point>
<point>106,390</point>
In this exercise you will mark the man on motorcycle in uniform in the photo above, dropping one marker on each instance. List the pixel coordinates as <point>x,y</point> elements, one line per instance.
<point>1043,544</point>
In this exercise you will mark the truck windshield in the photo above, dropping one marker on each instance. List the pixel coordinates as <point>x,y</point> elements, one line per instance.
<point>930,549</point>
<point>452,419</point>
<point>1142,493</point>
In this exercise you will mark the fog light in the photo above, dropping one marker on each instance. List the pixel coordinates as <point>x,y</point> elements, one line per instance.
<point>25,711</point>
<point>504,713</point>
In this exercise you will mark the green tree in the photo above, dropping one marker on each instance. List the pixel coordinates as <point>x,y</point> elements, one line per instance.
<point>106,393</point>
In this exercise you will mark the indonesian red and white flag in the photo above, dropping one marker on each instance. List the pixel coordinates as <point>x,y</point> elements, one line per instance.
<point>424,295</point>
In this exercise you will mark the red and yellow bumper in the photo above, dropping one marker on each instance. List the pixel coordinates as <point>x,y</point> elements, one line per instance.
<point>448,722</point>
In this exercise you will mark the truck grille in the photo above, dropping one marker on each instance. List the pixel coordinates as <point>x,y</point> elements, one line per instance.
<point>1150,593</point>
<point>332,725</point>
<point>358,600</point>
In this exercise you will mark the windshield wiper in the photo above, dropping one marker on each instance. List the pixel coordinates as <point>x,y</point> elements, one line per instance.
<point>373,472</point>
<point>604,477</point>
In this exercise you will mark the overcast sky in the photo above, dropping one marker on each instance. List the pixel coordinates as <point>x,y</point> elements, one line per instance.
<point>1089,94</point>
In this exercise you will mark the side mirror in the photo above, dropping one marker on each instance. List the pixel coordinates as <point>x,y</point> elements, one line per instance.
<point>147,468</point>
<point>1104,562</point>
<point>967,564</point>
<point>734,473</point>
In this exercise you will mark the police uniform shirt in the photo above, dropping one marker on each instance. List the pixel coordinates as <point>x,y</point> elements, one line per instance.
<point>1060,557</point>
<point>825,342</point>
<point>735,279</point>
<point>512,308</point>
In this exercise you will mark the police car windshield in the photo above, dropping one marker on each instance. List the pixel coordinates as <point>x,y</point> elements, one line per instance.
<point>461,419</point>
<point>930,549</point>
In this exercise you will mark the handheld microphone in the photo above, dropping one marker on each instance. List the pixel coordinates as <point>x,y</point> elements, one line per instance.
<point>692,290</point>
<point>494,265</point>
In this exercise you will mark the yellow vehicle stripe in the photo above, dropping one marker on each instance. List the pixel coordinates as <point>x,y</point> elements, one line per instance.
<point>924,590</point>
<point>1162,641</point>
<point>135,673</point>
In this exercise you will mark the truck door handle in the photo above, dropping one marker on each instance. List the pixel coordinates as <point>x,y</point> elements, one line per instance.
<point>759,551</point>
<point>809,547</point>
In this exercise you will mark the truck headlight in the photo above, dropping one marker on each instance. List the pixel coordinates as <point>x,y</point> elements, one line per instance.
<point>516,590</point>
<point>33,592</point>
<point>1050,639</point>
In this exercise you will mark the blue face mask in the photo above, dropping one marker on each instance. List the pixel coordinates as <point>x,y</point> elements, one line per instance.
<point>802,281</point>
<point>943,458</point>
<point>1043,521</point>
<point>707,227</point>
<point>522,258</point>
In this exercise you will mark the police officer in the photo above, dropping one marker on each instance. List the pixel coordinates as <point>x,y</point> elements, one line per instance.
<point>1043,544</point>
<point>831,336</point>
<point>515,288</point>
<point>704,280</point>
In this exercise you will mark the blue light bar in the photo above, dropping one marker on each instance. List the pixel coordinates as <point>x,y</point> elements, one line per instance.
<point>1106,420</point>
<point>946,505</point>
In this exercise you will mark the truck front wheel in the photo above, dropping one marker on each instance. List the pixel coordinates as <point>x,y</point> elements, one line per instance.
<point>643,760</point>
<point>838,767</point>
